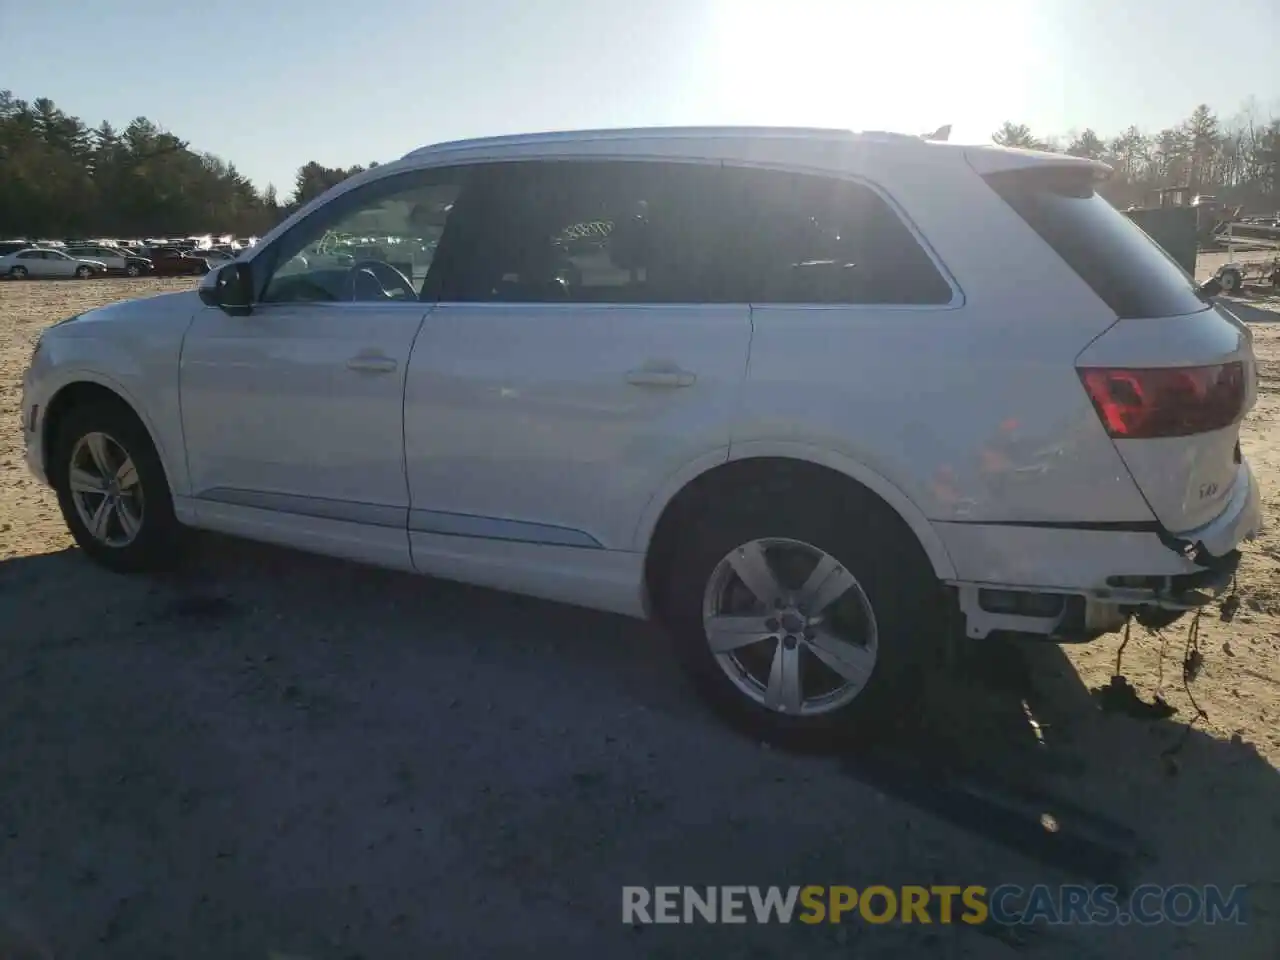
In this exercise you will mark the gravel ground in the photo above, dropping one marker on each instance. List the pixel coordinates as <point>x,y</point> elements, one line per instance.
<point>271,754</point>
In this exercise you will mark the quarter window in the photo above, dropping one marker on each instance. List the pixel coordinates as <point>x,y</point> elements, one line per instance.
<point>809,239</point>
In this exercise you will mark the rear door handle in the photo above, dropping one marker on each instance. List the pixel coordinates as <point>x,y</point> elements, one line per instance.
<point>660,378</point>
<point>372,363</point>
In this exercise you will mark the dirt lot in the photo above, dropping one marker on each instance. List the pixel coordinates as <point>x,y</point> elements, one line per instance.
<point>276,755</point>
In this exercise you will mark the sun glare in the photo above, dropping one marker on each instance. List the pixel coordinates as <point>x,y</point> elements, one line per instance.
<point>909,65</point>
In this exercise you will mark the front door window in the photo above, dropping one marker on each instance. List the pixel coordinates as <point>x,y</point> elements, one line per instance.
<point>375,244</point>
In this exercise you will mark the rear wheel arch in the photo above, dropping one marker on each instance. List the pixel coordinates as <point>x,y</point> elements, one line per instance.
<point>821,474</point>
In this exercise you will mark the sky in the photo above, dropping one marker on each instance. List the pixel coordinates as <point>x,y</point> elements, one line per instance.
<point>271,84</point>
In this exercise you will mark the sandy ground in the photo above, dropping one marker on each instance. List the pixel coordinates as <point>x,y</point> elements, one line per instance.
<point>270,754</point>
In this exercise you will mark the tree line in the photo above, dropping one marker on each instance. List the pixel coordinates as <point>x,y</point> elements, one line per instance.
<point>1236,159</point>
<point>61,178</point>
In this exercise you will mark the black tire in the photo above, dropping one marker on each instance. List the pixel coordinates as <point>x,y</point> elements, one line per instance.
<point>872,543</point>
<point>156,544</point>
<point>1231,281</point>
<point>132,270</point>
<point>18,273</point>
<point>84,273</point>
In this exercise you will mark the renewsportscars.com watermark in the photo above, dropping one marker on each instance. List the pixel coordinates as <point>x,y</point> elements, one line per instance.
<point>1007,904</point>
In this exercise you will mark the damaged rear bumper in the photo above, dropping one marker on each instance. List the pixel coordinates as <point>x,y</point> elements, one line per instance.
<point>1073,582</point>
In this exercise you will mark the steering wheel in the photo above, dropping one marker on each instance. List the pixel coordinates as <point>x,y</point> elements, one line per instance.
<point>377,276</point>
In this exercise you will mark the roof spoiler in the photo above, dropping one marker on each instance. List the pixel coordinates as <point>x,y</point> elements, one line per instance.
<point>942,134</point>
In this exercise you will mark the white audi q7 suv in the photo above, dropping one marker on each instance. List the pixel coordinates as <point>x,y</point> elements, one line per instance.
<point>803,396</point>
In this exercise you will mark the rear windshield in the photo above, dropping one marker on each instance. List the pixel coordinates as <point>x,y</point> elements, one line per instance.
<point>1128,270</point>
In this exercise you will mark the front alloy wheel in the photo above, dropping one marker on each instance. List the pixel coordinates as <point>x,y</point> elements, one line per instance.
<point>112,488</point>
<point>105,490</point>
<point>791,628</point>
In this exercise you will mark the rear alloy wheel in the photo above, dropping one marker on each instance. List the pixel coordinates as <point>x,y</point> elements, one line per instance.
<point>84,273</point>
<point>804,616</point>
<point>1231,281</point>
<point>18,273</point>
<point>112,489</point>
<point>790,627</point>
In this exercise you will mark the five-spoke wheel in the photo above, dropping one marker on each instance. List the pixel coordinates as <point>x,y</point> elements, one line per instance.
<point>111,486</point>
<point>105,490</point>
<point>790,627</point>
<point>802,606</point>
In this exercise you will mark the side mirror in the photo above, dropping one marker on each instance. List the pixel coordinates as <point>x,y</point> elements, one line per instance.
<point>229,288</point>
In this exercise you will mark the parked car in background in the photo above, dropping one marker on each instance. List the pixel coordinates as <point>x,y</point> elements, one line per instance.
<point>116,259</point>
<point>13,246</point>
<point>47,262</point>
<point>215,256</point>
<point>172,262</point>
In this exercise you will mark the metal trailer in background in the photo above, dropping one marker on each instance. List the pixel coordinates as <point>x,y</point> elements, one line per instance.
<point>1176,228</point>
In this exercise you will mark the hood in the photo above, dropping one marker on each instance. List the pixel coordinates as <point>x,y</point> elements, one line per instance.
<point>174,307</point>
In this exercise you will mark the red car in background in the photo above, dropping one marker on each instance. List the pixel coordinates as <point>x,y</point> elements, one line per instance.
<point>172,262</point>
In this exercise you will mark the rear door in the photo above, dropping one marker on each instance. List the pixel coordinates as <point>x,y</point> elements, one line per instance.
<point>33,262</point>
<point>581,353</point>
<point>1173,378</point>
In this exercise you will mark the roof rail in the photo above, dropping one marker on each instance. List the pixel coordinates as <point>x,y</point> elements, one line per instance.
<point>639,133</point>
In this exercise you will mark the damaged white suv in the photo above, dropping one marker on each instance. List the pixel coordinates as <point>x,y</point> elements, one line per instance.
<point>797,394</point>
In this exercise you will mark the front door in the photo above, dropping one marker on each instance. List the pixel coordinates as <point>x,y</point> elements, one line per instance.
<point>293,415</point>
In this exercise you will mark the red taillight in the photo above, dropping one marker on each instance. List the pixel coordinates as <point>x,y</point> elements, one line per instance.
<point>1137,404</point>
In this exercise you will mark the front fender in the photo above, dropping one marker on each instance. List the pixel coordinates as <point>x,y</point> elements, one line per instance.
<point>145,376</point>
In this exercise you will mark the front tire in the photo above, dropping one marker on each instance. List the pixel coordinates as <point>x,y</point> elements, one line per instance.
<point>112,489</point>
<point>132,270</point>
<point>1231,281</point>
<point>801,614</point>
<point>84,273</point>
<point>18,273</point>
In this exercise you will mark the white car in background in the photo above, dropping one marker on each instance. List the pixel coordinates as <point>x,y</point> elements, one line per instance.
<point>47,262</point>
<point>115,259</point>
<point>806,397</point>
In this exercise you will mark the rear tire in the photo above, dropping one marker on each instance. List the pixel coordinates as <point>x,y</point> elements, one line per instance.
<point>883,632</point>
<point>1231,281</point>
<point>18,273</point>
<point>107,475</point>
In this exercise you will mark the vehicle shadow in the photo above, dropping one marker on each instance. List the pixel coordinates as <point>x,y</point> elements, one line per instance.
<point>1010,746</point>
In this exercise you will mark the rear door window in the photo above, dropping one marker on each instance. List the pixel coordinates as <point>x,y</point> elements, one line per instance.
<point>800,239</point>
<point>1128,270</point>
<point>587,232</point>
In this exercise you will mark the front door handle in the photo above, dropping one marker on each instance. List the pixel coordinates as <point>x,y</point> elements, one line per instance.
<point>660,378</point>
<point>372,363</point>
